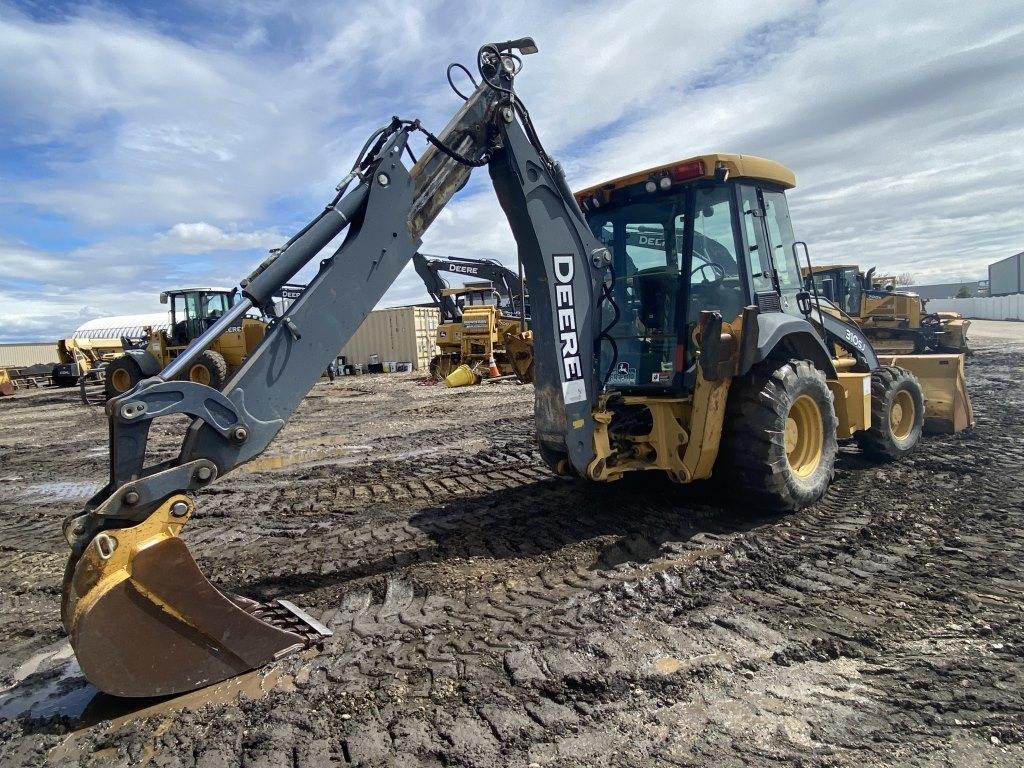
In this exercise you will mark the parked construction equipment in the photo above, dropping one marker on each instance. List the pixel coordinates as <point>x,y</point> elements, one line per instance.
<point>480,319</point>
<point>192,311</point>
<point>96,342</point>
<point>6,384</point>
<point>895,321</point>
<point>672,332</point>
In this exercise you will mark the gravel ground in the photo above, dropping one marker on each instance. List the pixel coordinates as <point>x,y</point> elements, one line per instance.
<point>487,613</point>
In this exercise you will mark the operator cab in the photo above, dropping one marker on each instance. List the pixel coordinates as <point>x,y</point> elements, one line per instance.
<point>193,310</point>
<point>707,233</point>
<point>840,284</point>
<point>470,295</point>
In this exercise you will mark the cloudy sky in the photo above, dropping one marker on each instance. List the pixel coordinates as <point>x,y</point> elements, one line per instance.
<point>151,145</point>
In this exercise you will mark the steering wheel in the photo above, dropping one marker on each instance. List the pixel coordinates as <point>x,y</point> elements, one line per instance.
<point>717,271</point>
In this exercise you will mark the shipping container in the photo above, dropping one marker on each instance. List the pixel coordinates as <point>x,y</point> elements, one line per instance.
<point>24,355</point>
<point>399,334</point>
<point>1006,276</point>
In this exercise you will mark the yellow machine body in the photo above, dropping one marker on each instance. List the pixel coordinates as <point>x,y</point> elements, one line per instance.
<point>481,335</point>
<point>234,345</point>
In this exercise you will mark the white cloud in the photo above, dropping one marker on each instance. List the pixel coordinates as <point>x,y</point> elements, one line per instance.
<point>179,158</point>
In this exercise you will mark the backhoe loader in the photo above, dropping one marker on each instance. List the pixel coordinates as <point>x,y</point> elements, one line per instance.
<point>481,321</point>
<point>895,321</point>
<point>691,349</point>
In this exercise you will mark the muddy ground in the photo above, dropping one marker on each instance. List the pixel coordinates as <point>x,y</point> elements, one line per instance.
<point>486,613</point>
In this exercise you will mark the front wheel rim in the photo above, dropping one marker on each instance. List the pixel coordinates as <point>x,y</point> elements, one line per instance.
<point>901,415</point>
<point>199,374</point>
<point>121,380</point>
<point>805,436</point>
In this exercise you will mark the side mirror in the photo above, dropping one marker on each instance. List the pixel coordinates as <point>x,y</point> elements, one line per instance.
<point>163,298</point>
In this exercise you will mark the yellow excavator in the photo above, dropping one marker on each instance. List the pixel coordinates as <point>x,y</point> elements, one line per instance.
<point>672,333</point>
<point>481,321</point>
<point>895,321</point>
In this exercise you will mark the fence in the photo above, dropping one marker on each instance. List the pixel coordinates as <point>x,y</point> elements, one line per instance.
<point>983,307</point>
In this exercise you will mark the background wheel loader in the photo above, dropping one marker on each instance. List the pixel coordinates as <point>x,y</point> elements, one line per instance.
<point>895,321</point>
<point>672,333</point>
<point>483,320</point>
<point>192,311</point>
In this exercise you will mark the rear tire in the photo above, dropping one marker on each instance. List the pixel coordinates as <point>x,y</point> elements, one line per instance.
<point>779,443</point>
<point>209,368</point>
<point>897,414</point>
<point>120,375</point>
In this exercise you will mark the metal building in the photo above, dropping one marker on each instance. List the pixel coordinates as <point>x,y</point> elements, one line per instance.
<point>24,355</point>
<point>944,290</point>
<point>400,334</point>
<point>1006,276</point>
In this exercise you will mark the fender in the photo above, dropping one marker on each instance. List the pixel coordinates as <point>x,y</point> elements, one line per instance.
<point>148,364</point>
<point>796,336</point>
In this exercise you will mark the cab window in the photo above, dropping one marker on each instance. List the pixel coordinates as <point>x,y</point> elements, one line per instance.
<point>781,238</point>
<point>714,270</point>
<point>760,266</point>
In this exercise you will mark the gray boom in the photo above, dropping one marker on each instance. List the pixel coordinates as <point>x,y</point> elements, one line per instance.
<point>385,215</point>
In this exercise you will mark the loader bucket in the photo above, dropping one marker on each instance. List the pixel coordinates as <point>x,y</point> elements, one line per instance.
<point>947,406</point>
<point>954,333</point>
<point>144,621</point>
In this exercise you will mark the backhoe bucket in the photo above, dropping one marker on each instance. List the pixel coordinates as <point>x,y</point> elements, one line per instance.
<point>947,406</point>
<point>519,348</point>
<point>144,621</point>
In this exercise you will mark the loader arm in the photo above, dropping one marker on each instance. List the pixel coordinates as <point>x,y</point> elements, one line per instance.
<point>141,617</point>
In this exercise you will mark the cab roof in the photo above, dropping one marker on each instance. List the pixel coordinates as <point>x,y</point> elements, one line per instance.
<point>175,291</point>
<point>703,166</point>
<point>830,267</point>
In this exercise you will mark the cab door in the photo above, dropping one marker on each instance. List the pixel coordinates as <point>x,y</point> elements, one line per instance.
<point>778,229</point>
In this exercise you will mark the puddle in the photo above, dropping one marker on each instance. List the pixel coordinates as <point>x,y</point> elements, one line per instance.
<point>464,446</point>
<point>50,683</point>
<point>61,491</point>
<point>119,712</point>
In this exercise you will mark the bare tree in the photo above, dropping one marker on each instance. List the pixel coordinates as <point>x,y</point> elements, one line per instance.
<point>904,278</point>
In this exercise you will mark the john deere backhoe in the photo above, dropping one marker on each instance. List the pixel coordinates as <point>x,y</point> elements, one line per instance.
<point>692,351</point>
<point>481,321</point>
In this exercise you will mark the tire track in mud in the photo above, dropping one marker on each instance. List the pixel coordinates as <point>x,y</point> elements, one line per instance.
<point>507,617</point>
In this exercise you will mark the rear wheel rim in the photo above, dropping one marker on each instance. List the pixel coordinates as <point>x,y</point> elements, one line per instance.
<point>121,380</point>
<point>805,436</point>
<point>901,415</point>
<point>199,374</point>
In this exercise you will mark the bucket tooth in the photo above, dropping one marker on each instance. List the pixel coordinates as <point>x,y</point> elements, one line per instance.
<point>144,620</point>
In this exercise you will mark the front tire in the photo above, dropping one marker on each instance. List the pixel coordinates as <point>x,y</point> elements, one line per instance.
<point>209,368</point>
<point>779,445</point>
<point>897,414</point>
<point>121,375</point>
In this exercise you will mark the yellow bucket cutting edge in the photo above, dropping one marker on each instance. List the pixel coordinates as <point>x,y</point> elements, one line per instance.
<point>947,406</point>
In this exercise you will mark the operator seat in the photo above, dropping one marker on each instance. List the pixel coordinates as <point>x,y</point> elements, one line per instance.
<point>724,295</point>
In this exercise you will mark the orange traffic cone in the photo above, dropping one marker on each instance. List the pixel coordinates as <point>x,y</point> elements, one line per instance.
<point>492,368</point>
